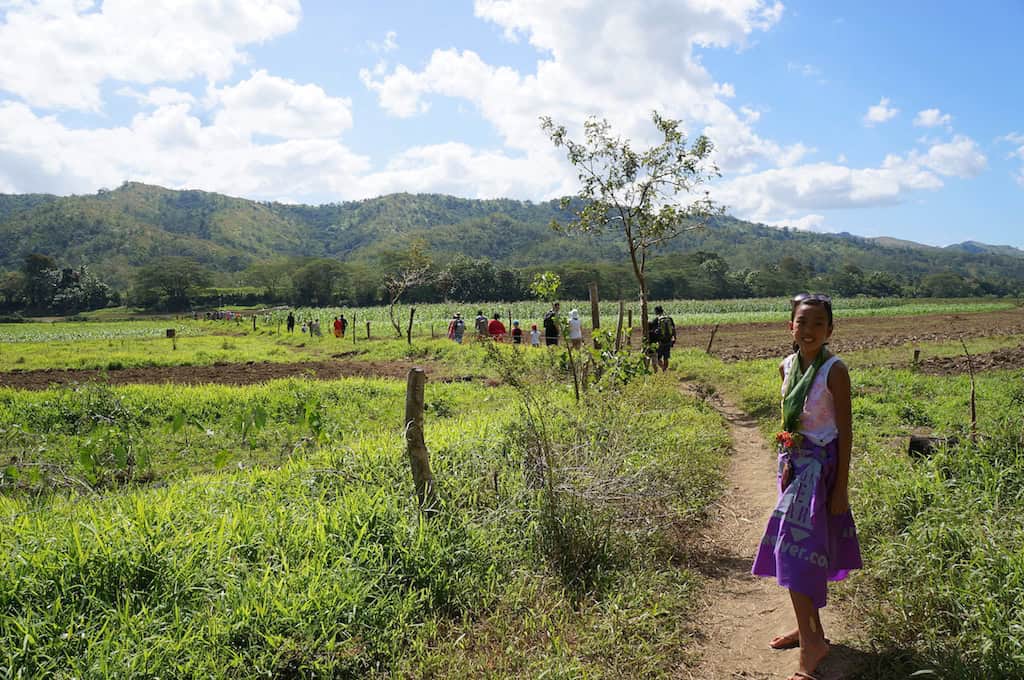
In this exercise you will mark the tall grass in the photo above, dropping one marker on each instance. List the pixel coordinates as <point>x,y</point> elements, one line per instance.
<point>320,566</point>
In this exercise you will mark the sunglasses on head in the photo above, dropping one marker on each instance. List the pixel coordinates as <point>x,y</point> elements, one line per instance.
<point>812,297</point>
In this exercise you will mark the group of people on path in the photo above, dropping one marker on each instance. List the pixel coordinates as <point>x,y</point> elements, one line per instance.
<point>312,326</point>
<point>661,331</point>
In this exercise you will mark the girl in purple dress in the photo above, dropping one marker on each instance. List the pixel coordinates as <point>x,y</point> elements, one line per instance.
<point>811,538</point>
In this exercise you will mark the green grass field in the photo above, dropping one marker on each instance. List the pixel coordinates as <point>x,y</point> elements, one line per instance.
<point>272,530</point>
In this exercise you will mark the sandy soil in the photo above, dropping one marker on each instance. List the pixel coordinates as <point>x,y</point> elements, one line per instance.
<point>741,612</point>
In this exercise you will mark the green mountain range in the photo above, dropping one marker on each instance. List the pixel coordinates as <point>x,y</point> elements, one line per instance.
<point>115,232</point>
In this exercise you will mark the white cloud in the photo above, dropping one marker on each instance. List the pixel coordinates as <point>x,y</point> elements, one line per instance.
<point>781,195</point>
<point>620,61</point>
<point>959,158</point>
<point>880,113</point>
<point>726,90</point>
<point>278,107</point>
<point>173,147</point>
<point>461,170</point>
<point>806,70</point>
<point>389,44</point>
<point>158,96</point>
<point>812,222</point>
<point>67,48</point>
<point>1016,139</point>
<point>932,118</point>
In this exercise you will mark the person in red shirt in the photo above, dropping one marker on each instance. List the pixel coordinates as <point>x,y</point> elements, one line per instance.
<point>496,329</point>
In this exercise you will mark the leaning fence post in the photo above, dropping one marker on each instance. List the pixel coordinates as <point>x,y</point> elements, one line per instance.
<point>711,339</point>
<point>408,332</point>
<point>419,457</point>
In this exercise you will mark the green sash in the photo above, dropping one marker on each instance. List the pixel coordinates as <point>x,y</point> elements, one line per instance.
<point>798,384</point>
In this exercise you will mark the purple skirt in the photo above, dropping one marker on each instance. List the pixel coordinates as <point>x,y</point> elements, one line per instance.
<point>804,546</point>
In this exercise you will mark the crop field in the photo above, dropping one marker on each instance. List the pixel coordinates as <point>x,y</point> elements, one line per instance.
<point>241,505</point>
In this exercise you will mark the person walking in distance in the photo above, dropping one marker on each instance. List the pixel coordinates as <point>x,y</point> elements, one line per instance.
<point>481,325</point>
<point>551,325</point>
<point>662,334</point>
<point>810,538</point>
<point>575,329</point>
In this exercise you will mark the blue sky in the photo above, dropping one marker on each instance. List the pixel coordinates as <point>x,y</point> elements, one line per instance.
<point>897,119</point>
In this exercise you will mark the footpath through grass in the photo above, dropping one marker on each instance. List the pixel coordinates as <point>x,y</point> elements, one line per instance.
<point>272,531</point>
<point>942,538</point>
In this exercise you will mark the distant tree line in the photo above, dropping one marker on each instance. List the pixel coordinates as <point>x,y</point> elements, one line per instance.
<point>42,286</point>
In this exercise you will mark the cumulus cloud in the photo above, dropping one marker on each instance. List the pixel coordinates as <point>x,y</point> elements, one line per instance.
<point>958,158</point>
<point>1016,139</point>
<point>781,195</point>
<point>932,118</point>
<point>68,48</point>
<point>269,105</point>
<point>158,96</point>
<point>620,61</point>
<point>461,170</point>
<point>173,146</point>
<point>880,113</point>
<point>389,44</point>
<point>812,222</point>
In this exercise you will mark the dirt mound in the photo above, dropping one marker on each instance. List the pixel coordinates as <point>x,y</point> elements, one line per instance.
<point>224,374</point>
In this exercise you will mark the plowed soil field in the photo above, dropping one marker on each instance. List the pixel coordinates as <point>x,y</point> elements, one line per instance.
<point>765,340</point>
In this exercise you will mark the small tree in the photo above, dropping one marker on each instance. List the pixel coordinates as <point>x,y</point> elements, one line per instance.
<point>545,286</point>
<point>635,192</point>
<point>408,269</point>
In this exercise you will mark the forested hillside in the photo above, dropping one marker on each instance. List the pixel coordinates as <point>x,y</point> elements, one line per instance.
<point>118,233</point>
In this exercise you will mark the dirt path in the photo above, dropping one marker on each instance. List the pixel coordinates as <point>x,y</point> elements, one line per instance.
<point>742,613</point>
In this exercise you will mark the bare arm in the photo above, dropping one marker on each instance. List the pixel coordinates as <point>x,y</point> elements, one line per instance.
<point>839,385</point>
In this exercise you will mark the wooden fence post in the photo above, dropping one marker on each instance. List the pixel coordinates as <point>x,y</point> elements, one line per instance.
<point>408,331</point>
<point>618,329</point>
<point>595,312</point>
<point>367,330</point>
<point>419,457</point>
<point>712,339</point>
